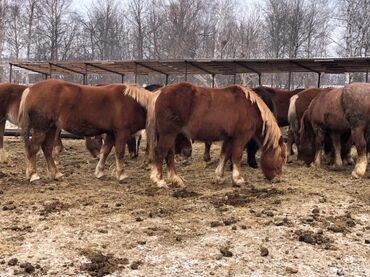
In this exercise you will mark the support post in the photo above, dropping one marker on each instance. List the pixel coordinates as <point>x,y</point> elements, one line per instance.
<point>85,76</point>
<point>122,78</point>
<point>234,79</point>
<point>135,73</point>
<point>289,80</point>
<point>186,71</point>
<point>367,76</point>
<point>213,80</point>
<point>50,70</point>
<point>10,73</point>
<point>45,76</point>
<point>319,80</point>
<point>167,79</point>
<point>259,79</point>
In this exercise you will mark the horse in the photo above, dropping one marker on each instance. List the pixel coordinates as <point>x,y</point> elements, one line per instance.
<point>82,110</point>
<point>298,105</point>
<point>10,98</point>
<point>324,116</point>
<point>252,146</point>
<point>233,114</point>
<point>356,106</point>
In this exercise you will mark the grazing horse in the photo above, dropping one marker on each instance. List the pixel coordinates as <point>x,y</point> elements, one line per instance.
<point>298,105</point>
<point>356,106</point>
<point>233,114</point>
<point>10,98</point>
<point>252,145</point>
<point>82,110</point>
<point>324,116</point>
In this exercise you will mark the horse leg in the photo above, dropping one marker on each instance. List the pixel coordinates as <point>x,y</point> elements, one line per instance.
<point>172,175</point>
<point>252,148</point>
<point>338,164</point>
<point>104,152</point>
<point>3,155</point>
<point>93,145</point>
<point>360,142</point>
<point>291,141</point>
<point>160,153</point>
<point>319,140</point>
<point>121,139</point>
<point>58,146</point>
<point>32,147</point>
<point>236,156</point>
<point>224,157</point>
<point>47,147</point>
<point>207,151</point>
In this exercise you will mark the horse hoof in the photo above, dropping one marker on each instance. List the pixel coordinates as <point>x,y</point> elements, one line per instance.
<point>356,175</point>
<point>58,176</point>
<point>220,180</point>
<point>102,177</point>
<point>253,165</point>
<point>177,181</point>
<point>162,184</point>
<point>35,179</point>
<point>123,179</point>
<point>239,182</point>
<point>337,167</point>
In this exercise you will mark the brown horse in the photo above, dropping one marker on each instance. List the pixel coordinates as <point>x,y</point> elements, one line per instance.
<point>10,98</point>
<point>356,106</point>
<point>324,116</point>
<point>281,100</point>
<point>298,105</point>
<point>82,110</point>
<point>233,114</point>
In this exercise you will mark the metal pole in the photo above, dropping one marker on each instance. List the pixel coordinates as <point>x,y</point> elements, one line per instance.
<point>10,73</point>
<point>186,71</point>
<point>135,73</point>
<point>259,79</point>
<point>122,78</point>
<point>319,80</point>
<point>213,80</point>
<point>167,79</point>
<point>50,69</point>
<point>85,76</point>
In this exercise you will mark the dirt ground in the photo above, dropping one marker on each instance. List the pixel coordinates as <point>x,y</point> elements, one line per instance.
<point>314,222</point>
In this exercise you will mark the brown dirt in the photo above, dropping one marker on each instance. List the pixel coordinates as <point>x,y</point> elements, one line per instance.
<point>314,222</point>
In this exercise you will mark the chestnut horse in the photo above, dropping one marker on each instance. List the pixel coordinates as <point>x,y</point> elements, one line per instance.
<point>233,114</point>
<point>356,106</point>
<point>10,98</point>
<point>298,105</point>
<point>324,116</point>
<point>82,110</point>
<point>252,145</point>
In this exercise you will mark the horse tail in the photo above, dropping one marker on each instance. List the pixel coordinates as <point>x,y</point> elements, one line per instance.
<point>139,94</point>
<point>270,133</point>
<point>292,114</point>
<point>23,116</point>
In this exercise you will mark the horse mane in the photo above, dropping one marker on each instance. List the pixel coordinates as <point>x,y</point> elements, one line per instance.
<point>139,94</point>
<point>292,113</point>
<point>270,130</point>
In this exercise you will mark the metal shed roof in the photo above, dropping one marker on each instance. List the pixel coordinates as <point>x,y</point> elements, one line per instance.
<point>200,66</point>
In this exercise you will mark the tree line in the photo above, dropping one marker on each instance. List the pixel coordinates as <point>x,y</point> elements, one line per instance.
<point>53,30</point>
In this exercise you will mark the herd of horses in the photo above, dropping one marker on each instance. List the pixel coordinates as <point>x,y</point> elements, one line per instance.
<point>328,120</point>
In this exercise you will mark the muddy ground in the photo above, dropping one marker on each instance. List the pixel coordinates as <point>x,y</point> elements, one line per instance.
<point>315,222</point>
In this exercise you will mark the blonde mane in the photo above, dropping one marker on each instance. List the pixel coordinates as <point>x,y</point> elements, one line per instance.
<point>139,94</point>
<point>270,130</point>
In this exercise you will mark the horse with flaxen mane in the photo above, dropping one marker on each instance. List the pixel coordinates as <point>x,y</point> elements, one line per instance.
<point>10,98</point>
<point>298,105</point>
<point>82,110</point>
<point>252,146</point>
<point>324,116</point>
<point>233,114</point>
